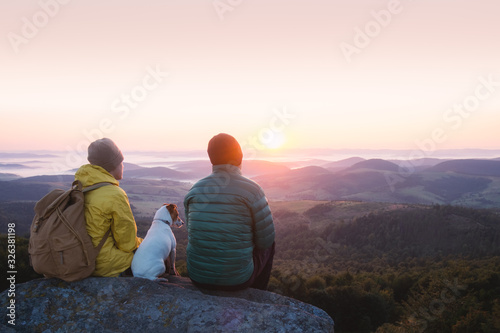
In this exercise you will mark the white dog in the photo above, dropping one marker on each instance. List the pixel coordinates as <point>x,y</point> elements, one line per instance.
<point>158,245</point>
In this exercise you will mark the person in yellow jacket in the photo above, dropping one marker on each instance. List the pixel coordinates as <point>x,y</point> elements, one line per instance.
<point>107,208</point>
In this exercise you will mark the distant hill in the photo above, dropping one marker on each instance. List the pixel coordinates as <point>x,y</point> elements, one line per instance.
<point>32,188</point>
<point>8,166</point>
<point>131,166</point>
<point>48,179</point>
<point>308,171</point>
<point>16,190</point>
<point>470,167</point>
<point>418,164</point>
<point>465,182</point>
<point>251,168</point>
<point>156,172</point>
<point>197,168</point>
<point>9,176</point>
<point>304,163</point>
<point>342,164</point>
<point>126,167</point>
<point>375,164</point>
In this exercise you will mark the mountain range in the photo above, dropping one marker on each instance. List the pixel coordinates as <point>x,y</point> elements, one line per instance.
<point>468,182</point>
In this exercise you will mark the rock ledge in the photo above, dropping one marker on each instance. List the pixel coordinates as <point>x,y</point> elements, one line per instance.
<point>134,304</point>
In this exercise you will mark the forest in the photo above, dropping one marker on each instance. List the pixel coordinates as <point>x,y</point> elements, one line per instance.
<point>403,268</point>
<point>415,269</point>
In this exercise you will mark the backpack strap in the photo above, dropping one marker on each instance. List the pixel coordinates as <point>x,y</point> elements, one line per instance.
<point>101,243</point>
<point>95,186</point>
<point>77,185</point>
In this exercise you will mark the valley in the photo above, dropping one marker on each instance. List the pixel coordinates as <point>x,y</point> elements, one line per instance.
<point>375,258</point>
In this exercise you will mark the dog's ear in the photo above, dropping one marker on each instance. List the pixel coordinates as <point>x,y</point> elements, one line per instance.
<point>171,208</point>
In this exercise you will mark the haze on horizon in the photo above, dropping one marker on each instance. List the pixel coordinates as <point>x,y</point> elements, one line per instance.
<point>394,74</point>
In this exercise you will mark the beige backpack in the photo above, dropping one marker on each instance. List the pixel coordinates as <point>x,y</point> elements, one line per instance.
<point>59,243</point>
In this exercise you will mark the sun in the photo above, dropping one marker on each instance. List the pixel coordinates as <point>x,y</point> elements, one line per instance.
<point>275,141</point>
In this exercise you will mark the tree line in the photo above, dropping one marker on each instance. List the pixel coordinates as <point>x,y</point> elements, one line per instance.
<point>414,269</point>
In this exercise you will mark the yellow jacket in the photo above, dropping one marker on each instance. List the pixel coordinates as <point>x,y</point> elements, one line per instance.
<point>108,207</point>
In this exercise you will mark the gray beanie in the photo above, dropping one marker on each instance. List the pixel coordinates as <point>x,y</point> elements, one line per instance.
<point>105,153</point>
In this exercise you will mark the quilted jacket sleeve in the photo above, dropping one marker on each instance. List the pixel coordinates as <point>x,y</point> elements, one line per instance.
<point>263,219</point>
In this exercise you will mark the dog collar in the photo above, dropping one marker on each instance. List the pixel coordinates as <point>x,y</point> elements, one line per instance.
<point>167,222</point>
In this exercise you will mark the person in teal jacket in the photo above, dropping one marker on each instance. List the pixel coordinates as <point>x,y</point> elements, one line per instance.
<point>230,225</point>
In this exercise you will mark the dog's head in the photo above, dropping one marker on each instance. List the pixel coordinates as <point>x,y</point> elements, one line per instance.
<point>174,214</point>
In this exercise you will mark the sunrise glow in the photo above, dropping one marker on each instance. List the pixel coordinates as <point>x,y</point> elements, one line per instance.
<point>275,141</point>
<point>168,76</point>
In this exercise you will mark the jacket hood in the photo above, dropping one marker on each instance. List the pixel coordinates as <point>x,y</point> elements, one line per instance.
<point>90,174</point>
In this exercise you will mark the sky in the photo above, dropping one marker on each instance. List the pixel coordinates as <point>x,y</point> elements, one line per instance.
<point>276,74</point>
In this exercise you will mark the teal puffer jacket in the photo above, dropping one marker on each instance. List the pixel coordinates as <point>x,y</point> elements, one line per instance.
<point>227,215</point>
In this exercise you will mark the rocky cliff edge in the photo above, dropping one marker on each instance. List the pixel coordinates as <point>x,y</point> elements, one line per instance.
<point>135,305</point>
